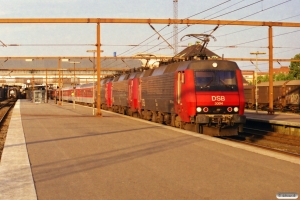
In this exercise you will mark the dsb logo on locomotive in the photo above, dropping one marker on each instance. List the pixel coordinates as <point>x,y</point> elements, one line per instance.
<point>218,98</point>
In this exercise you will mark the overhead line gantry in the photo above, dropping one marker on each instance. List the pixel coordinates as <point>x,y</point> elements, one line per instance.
<point>98,21</point>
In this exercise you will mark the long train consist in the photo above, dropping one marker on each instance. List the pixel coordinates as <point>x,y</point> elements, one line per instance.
<point>192,93</point>
<point>285,95</point>
<point>205,96</point>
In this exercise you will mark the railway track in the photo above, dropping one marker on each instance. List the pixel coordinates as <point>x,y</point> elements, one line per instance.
<point>287,144</point>
<point>276,110</point>
<point>5,108</point>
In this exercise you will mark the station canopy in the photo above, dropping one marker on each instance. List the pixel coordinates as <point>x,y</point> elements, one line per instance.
<point>18,70</point>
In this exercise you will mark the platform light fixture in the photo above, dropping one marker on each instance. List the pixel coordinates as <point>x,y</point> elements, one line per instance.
<point>74,87</point>
<point>256,68</point>
<point>28,60</point>
<point>60,82</point>
<point>94,67</point>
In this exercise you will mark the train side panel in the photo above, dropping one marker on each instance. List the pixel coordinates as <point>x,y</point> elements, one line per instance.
<point>119,93</point>
<point>292,95</point>
<point>157,93</point>
<point>185,95</point>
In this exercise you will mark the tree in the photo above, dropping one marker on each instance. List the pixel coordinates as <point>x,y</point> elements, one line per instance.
<point>264,78</point>
<point>282,77</point>
<point>295,68</point>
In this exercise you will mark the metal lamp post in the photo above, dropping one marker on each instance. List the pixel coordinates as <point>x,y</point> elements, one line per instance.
<point>256,68</point>
<point>93,51</point>
<point>94,66</point>
<point>28,92</point>
<point>74,87</point>
<point>32,82</point>
<point>61,80</point>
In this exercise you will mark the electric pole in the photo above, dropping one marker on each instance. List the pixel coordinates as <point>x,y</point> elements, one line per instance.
<point>175,27</point>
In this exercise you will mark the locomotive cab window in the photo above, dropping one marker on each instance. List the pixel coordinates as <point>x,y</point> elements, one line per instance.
<point>215,80</point>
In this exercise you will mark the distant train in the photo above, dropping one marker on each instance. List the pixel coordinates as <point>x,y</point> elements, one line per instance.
<point>12,93</point>
<point>285,95</point>
<point>8,92</point>
<point>3,93</point>
<point>205,96</point>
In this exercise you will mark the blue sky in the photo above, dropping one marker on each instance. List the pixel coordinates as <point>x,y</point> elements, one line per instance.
<point>118,37</point>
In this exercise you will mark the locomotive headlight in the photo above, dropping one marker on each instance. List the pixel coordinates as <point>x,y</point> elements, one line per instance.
<point>215,64</point>
<point>199,109</point>
<point>236,109</point>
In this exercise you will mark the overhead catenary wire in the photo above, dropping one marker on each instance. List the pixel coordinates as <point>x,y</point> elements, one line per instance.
<point>135,47</point>
<point>253,27</point>
<point>257,12</point>
<point>185,18</point>
<point>182,29</point>
<point>239,19</point>
<point>247,15</point>
<point>139,45</point>
<point>207,9</point>
<point>260,39</point>
<point>227,12</point>
<point>221,15</point>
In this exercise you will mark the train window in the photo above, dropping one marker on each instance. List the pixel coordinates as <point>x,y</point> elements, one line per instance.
<point>215,80</point>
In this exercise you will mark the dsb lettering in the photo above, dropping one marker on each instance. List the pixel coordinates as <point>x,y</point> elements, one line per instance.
<point>218,98</point>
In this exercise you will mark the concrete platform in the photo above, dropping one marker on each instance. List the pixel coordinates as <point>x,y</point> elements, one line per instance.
<point>16,180</point>
<point>288,119</point>
<point>74,155</point>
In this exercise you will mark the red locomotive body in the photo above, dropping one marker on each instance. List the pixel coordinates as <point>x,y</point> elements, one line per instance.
<point>134,94</point>
<point>205,96</point>
<point>198,94</point>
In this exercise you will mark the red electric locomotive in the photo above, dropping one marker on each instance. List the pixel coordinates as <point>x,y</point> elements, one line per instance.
<point>199,94</point>
<point>205,96</point>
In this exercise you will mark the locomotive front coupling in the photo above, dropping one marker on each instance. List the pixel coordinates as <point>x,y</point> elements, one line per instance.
<point>220,120</point>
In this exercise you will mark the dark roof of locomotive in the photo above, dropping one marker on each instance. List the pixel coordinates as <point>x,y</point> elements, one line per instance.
<point>193,51</point>
<point>202,65</point>
<point>222,65</point>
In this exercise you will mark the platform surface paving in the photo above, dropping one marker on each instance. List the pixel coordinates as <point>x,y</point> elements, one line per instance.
<point>289,119</point>
<point>74,155</point>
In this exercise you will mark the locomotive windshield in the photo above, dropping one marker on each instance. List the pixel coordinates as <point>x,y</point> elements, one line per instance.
<point>215,81</point>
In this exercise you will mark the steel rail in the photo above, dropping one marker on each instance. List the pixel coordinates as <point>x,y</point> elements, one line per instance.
<point>261,146</point>
<point>276,137</point>
<point>9,104</point>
